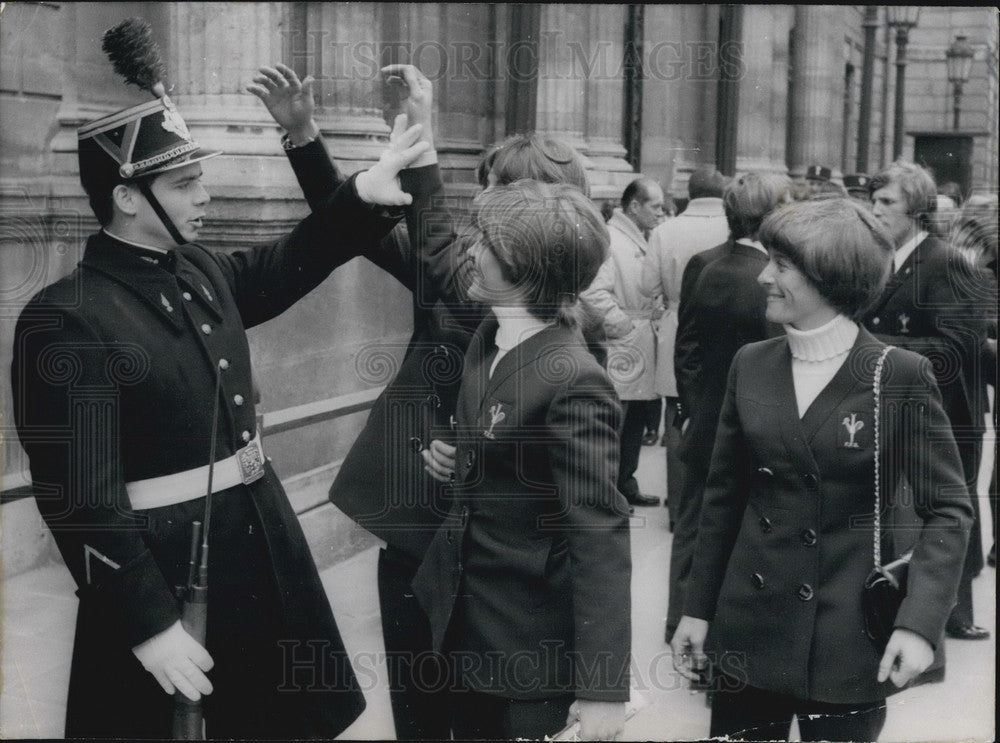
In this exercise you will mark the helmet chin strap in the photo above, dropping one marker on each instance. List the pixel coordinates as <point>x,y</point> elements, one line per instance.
<point>144,188</point>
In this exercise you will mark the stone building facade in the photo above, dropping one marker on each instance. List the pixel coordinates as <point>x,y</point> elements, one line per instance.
<point>660,89</point>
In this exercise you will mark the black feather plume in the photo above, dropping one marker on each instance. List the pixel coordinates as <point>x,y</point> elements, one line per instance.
<point>134,54</point>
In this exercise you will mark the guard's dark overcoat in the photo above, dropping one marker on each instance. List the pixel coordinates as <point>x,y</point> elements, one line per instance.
<point>113,380</point>
<point>786,537</point>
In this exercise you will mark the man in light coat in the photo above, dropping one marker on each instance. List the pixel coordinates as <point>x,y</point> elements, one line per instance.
<point>701,226</point>
<point>628,322</point>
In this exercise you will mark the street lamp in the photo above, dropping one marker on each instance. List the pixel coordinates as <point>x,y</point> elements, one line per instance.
<point>959,57</point>
<point>902,18</point>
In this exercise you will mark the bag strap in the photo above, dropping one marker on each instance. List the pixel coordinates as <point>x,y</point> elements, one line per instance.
<point>877,390</point>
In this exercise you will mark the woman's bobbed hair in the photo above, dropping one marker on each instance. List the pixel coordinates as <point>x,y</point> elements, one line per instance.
<point>838,245</point>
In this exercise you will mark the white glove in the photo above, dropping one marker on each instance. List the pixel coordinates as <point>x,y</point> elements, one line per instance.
<point>177,662</point>
<point>380,183</point>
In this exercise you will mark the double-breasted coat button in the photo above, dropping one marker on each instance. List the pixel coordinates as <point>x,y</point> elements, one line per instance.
<point>808,537</point>
<point>223,364</point>
<point>765,524</point>
<point>758,580</point>
<point>187,296</point>
<point>238,400</point>
<point>811,481</point>
<point>805,592</point>
<point>416,444</point>
<point>245,435</point>
<point>875,321</point>
<point>206,329</point>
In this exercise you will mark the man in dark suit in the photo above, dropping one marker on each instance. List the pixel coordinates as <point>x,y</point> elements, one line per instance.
<point>929,307</point>
<point>117,370</point>
<point>724,312</point>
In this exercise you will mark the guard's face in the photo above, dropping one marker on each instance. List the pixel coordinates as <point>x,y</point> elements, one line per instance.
<point>791,297</point>
<point>889,208</point>
<point>183,197</point>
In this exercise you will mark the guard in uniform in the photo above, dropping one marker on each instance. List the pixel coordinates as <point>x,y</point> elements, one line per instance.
<point>118,370</point>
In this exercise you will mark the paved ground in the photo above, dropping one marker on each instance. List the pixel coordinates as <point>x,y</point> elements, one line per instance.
<point>39,609</point>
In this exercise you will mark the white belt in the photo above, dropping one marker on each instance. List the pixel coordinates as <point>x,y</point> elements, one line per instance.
<point>245,466</point>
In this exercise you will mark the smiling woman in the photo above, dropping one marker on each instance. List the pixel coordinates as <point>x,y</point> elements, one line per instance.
<point>785,538</point>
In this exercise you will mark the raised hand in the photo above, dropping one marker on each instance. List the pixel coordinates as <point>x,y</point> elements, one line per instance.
<point>380,183</point>
<point>288,100</point>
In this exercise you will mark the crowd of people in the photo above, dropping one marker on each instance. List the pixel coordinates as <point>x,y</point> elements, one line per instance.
<point>503,493</point>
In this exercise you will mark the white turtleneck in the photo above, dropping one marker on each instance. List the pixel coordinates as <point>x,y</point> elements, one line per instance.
<point>817,355</point>
<point>516,326</point>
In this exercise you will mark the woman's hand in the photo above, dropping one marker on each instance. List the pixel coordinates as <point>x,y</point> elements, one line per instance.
<point>439,461</point>
<point>906,656</point>
<point>598,720</point>
<point>380,183</point>
<point>288,100</point>
<point>688,644</point>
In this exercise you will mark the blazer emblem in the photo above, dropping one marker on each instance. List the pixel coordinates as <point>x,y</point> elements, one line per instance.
<point>853,425</point>
<point>207,293</point>
<point>166,303</point>
<point>496,416</point>
<point>904,320</point>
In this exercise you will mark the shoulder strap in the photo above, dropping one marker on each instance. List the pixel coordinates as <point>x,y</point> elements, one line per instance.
<point>877,391</point>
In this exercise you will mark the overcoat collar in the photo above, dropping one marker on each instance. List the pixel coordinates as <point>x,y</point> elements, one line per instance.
<point>856,372</point>
<point>153,284</point>
<point>624,224</point>
<point>123,265</point>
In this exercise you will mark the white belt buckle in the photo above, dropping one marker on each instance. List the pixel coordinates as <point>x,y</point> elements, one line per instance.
<point>251,463</point>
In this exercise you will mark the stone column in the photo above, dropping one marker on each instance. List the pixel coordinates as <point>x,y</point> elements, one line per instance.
<point>679,93</point>
<point>816,96</point>
<point>763,80</point>
<point>216,49</point>
<point>562,87</point>
<point>599,63</point>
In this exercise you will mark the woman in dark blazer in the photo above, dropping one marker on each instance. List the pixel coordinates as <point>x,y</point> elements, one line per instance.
<point>526,584</point>
<point>786,537</point>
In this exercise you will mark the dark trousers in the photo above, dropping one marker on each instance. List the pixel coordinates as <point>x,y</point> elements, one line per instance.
<point>970,450</point>
<point>418,678</point>
<point>685,512</point>
<point>672,441</point>
<point>633,423</point>
<point>654,414</point>
<point>756,714</point>
<point>485,716</point>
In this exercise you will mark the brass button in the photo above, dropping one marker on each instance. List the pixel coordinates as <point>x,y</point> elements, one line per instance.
<point>808,537</point>
<point>187,296</point>
<point>238,399</point>
<point>223,364</point>
<point>758,580</point>
<point>206,329</point>
<point>805,592</point>
<point>245,435</point>
<point>875,321</point>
